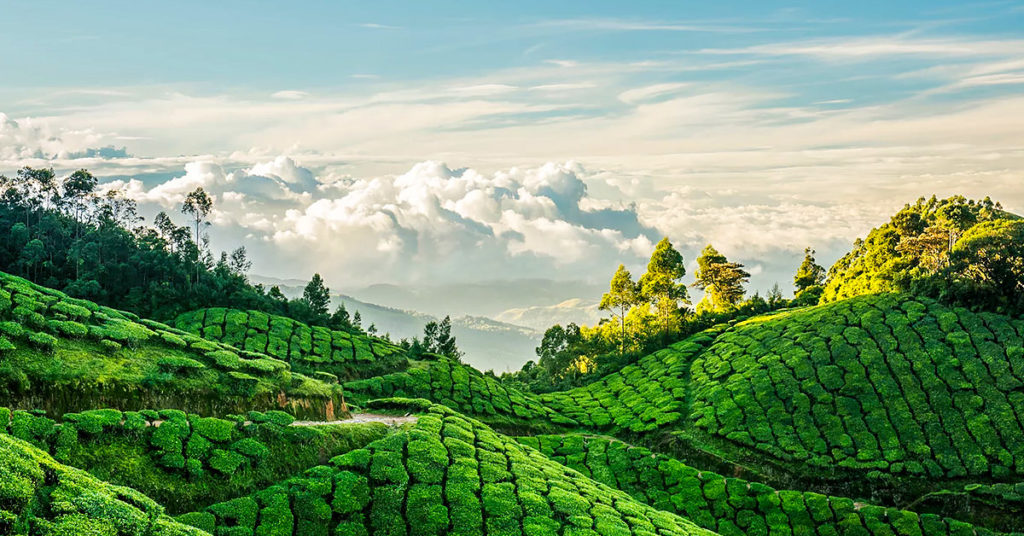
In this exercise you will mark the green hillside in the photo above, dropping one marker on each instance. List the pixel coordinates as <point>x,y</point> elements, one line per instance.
<point>309,349</point>
<point>63,354</point>
<point>39,497</point>
<point>732,506</point>
<point>447,474</point>
<point>186,461</point>
<point>965,252</point>
<point>464,389</point>
<point>884,382</point>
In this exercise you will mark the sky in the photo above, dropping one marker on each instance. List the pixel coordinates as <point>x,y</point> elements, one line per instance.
<point>428,144</point>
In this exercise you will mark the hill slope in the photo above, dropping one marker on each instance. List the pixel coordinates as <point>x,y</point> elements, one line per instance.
<point>883,382</point>
<point>186,461</point>
<point>63,354</point>
<point>447,474</point>
<point>732,506</point>
<point>308,349</point>
<point>39,497</point>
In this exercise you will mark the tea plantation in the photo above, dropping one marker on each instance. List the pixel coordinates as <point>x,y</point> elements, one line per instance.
<point>39,496</point>
<point>732,506</point>
<point>447,474</point>
<point>462,388</point>
<point>883,383</point>
<point>63,354</point>
<point>309,349</point>
<point>878,415</point>
<point>186,461</point>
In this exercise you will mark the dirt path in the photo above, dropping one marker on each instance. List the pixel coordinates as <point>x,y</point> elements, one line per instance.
<point>357,418</point>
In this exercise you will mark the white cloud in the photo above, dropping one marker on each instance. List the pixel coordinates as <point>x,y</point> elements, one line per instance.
<point>880,46</point>
<point>641,94</point>
<point>290,94</point>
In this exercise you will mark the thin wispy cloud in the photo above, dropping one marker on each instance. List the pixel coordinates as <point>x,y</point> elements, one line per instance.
<point>627,25</point>
<point>378,26</point>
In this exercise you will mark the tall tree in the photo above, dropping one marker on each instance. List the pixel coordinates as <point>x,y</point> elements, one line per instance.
<point>720,279</point>
<point>317,296</point>
<point>622,295</point>
<point>198,205</point>
<point>809,274</point>
<point>445,344</point>
<point>662,285</point>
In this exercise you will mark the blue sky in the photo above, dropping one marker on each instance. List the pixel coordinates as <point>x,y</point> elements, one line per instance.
<point>438,142</point>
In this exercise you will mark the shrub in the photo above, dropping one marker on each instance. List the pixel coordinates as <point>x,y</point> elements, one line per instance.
<point>225,461</point>
<point>43,341</point>
<point>111,347</point>
<point>6,346</point>
<point>179,364</point>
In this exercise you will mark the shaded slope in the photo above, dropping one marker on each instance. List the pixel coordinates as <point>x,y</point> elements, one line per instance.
<point>186,461</point>
<point>464,389</point>
<point>447,474</point>
<point>39,496</point>
<point>309,349</point>
<point>63,354</point>
<point>734,507</point>
<point>643,397</point>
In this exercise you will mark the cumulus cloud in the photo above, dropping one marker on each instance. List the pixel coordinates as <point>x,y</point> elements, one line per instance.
<point>437,217</point>
<point>30,139</point>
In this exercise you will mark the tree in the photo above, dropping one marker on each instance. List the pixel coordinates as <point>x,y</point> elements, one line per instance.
<point>357,320</point>
<point>240,263</point>
<point>445,342</point>
<point>721,280</point>
<point>809,274</point>
<point>340,319</point>
<point>775,298</point>
<point>317,296</point>
<point>556,351</point>
<point>622,296</point>
<point>438,339</point>
<point>661,285</point>
<point>198,205</point>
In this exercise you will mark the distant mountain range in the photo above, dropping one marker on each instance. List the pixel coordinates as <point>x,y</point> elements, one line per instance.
<point>492,338</point>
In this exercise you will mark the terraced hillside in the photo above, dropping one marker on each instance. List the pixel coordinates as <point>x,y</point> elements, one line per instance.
<point>732,506</point>
<point>186,461</point>
<point>645,397</point>
<point>447,474</point>
<point>39,496</point>
<point>884,382</point>
<point>462,388</point>
<point>63,354</point>
<point>309,349</point>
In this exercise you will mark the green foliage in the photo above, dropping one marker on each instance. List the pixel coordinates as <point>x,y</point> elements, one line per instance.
<point>461,387</point>
<point>962,252</point>
<point>39,496</point>
<point>716,502</point>
<point>722,281</point>
<point>185,461</point>
<point>77,364</point>
<point>300,347</point>
<point>882,382</point>
<point>446,475</point>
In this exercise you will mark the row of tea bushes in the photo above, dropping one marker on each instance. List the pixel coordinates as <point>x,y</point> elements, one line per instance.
<point>40,497</point>
<point>885,383</point>
<point>643,397</point>
<point>463,388</point>
<point>309,349</point>
<point>731,506</point>
<point>65,354</point>
<point>447,475</point>
<point>186,461</point>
